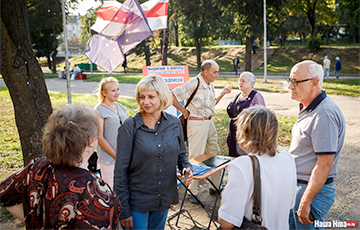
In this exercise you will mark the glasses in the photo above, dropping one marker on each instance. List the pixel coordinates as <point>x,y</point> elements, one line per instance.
<point>295,83</point>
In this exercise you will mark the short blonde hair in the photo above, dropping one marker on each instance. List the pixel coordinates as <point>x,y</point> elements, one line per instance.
<point>154,83</point>
<point>257,129</point>
<point>102,87</point>
<point>67,133</point>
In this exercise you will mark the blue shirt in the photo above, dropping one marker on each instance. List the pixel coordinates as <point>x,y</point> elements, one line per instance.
<point>146,160</point>
<point>338,65</point>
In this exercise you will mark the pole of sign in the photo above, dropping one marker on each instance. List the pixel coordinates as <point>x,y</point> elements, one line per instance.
<point>265,45</point>
<point>89,16</point>
<point>66,54</point>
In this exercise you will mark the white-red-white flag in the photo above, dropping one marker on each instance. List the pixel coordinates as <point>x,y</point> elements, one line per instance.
<point>156,12</point>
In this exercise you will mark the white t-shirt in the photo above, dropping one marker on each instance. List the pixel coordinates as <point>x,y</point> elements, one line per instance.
<point>278,190</point>
<point>327,63</point>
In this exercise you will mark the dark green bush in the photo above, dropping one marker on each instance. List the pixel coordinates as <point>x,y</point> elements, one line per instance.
<point>313,44</point>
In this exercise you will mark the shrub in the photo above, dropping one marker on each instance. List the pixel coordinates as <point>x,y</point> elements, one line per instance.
<point>313,44</point>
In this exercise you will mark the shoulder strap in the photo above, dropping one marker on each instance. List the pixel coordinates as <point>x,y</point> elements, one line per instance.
<point>193,94</point>
<point>256,216</point>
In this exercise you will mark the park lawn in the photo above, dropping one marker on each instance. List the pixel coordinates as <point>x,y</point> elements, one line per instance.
<point>10,149</point>
<point>345,87</point>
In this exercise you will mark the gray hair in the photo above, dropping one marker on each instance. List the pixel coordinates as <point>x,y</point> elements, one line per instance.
<point>316,71</point>
<point>206,65</point>
<point>250,76</point>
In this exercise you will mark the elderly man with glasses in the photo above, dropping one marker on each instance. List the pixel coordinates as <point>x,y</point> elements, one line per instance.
<point>317,139</point>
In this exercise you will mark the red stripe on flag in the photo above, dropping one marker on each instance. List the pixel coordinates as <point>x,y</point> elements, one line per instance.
<point>107,13</point>
<point>160,9</point>
<point>123,17</point>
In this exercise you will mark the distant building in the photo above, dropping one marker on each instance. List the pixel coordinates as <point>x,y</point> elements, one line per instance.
<point>73,28</point>
<point>227,42</point>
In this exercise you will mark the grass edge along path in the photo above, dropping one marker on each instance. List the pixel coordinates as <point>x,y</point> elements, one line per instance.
<point>344,87</point>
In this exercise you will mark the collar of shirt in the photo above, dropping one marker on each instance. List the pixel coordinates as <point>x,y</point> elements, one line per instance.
<point>139,121</point>
<point>203,83</point>
<point>316,101</point>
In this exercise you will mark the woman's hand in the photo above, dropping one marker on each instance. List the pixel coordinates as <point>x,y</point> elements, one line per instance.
<point>188,176</point>
<point>127,223</point>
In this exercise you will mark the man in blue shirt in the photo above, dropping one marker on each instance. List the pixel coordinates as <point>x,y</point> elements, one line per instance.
<point>317,139</point>
<point>337,67</point>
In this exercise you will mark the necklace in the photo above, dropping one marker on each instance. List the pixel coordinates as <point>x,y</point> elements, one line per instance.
<point>110,107</point>
<point>114,109</point>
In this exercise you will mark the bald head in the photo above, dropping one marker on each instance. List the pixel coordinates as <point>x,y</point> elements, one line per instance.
<point>207,64</point>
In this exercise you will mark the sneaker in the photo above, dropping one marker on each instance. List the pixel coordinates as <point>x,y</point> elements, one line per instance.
<point>193,199</point>
<point>213,191</point>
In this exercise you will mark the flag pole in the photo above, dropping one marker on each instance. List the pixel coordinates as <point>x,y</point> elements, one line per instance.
<point>163,48</point>
<point>162,61</point>
<point>66,54</point>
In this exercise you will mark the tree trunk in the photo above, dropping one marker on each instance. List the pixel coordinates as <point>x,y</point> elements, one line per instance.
<point>53,57</point>
<point>311,17</point>
<point>198,52</point>
<point>283,38</point>
<point>23,76</point>
<point>48,61</point>
<point>147,55</point>
<point>248,53</point>
<point>176,35</point>
<point>327,37</point>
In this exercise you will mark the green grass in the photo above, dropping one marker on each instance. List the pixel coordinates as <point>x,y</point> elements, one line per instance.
<point>271,85</point>
<point>345,87</point>
<point>123,78</point>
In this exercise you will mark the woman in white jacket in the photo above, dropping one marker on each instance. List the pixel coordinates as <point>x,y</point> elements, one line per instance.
<point>257,132</point>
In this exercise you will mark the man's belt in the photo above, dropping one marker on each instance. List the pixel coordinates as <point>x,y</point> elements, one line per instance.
<point>328,181</point>
<point>200,119</point>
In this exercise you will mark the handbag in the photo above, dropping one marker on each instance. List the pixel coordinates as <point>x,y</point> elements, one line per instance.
<point>182,119</point>
<point>256,219</point>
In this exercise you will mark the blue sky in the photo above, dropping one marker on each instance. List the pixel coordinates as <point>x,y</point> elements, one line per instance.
<point>84,5</point>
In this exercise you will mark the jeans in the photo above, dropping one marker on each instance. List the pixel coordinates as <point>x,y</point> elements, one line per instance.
<point>326,72</point>
<point>336,73</point>
<point>319,207</point>
<point>150,220</point>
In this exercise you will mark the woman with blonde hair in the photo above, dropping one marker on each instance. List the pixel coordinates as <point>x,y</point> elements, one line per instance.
<point>56,191</point>
<point>257,135</point>
<point>150,146</point>
<point>112,115</point>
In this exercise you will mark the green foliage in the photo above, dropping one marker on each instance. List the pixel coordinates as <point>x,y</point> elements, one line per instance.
<point>349,13</point>
<point>45,22</point>
<point>313,44</point>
